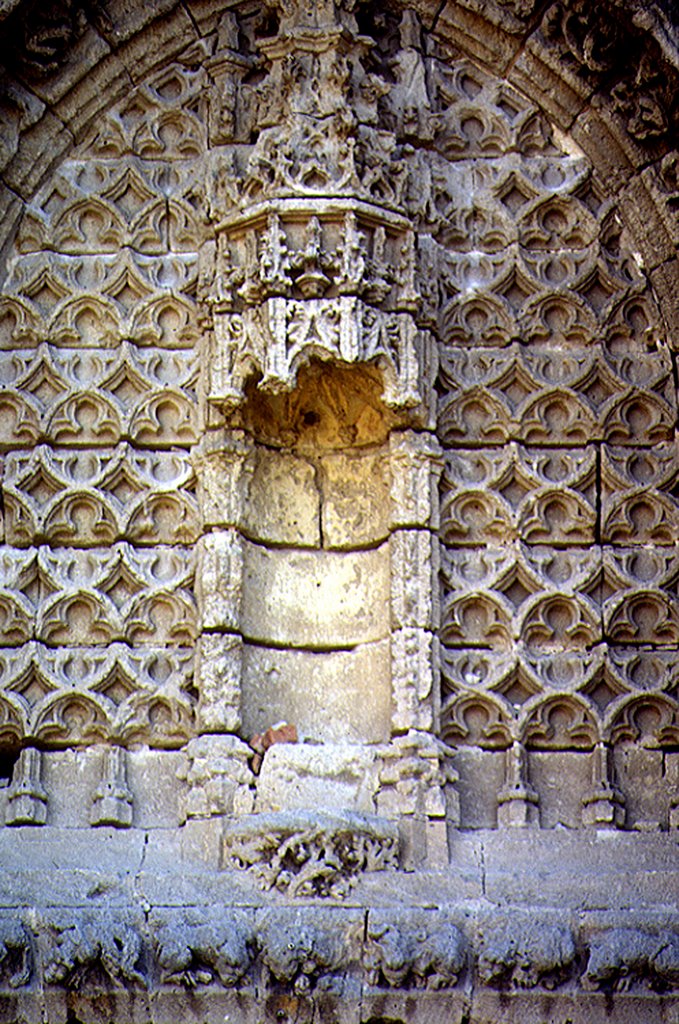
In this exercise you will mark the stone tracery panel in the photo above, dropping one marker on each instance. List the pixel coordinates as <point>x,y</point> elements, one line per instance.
<point>308,196</point>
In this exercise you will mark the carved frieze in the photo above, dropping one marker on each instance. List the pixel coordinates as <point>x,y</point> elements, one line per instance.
<point>310,951</point>
<point>503,494</point>
<point>638,495</point>
<point>545,597</point>
<point>413,950</point>
<point>525,953</point>
<point>555,397</point>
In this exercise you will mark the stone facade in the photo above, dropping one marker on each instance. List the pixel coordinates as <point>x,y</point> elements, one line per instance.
<point>339,584</point>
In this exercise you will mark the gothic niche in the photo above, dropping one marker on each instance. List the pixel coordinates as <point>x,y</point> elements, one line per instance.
<point>318,467</point>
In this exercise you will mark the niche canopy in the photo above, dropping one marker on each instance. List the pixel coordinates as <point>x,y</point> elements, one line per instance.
<point>313,254</point>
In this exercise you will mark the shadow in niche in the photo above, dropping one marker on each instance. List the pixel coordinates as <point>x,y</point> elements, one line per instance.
<point>333,407</point>
<point>8,758</point>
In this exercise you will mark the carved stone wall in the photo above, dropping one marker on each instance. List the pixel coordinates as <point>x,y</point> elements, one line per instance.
<point>339,607</point>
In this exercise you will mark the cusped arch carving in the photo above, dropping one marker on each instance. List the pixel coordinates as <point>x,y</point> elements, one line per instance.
<point>651,720</point>
<point>478,720</point>
<point>560,722</point>
<point>13,722</point>
<point>72,719</point>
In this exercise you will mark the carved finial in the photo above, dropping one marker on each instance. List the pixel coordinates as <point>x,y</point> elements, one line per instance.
<point>517,800</point>
<point>227,32</point>
<point>27,799</point>
<point>603,805</point>
<point>112,800</point>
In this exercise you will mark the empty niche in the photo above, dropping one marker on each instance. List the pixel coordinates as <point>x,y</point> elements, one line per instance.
<point>316,566</point>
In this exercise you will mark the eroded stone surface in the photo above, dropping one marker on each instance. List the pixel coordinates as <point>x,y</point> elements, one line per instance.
<point>332,696</point>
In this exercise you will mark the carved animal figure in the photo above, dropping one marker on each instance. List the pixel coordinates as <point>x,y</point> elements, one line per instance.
<point>525,953</point>
<point>621,956</point>
<point>192,954</point>
<point>113,945</point>
<point>15,944</point>
<point>430,955</point>
<point>299,954</point>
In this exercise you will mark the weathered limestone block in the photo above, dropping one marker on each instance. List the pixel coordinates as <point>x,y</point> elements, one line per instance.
<point>218,778</point>
<point>644,604</point>
<point>74,945</point>
<point>517,801</point>
<point>638,504</point>
<point>22,108</point>
<point>223,466</point>
<point>545,597</point>
<point>156,309</point>
<point>417,778</point>
<point>315,599</point>
<point>415,464</point>
<point>311,948</point>
<point>281,505</point>
<point>481,775</point>
<point>333,776</point>
<point>17,956</point>
<point>95,497</point>
<point>27,797</point>
<point>537,496</point>
<point>98,397</point>
<point>152,778</point>
<point>560,805</point>
<point>355,506</point>
<point>415,680</point>
<point>414,579</point>
<point>70,779</point>
<point>622,957</point>
<point>270,495</point>
<point>219,579</point>
<point>522,952</point>
<point>331,696</point>
<point>648,780</point>
<point>564,396</point>
<point>112,801</point>
<point>603,806</point>
<point>88,694</point>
